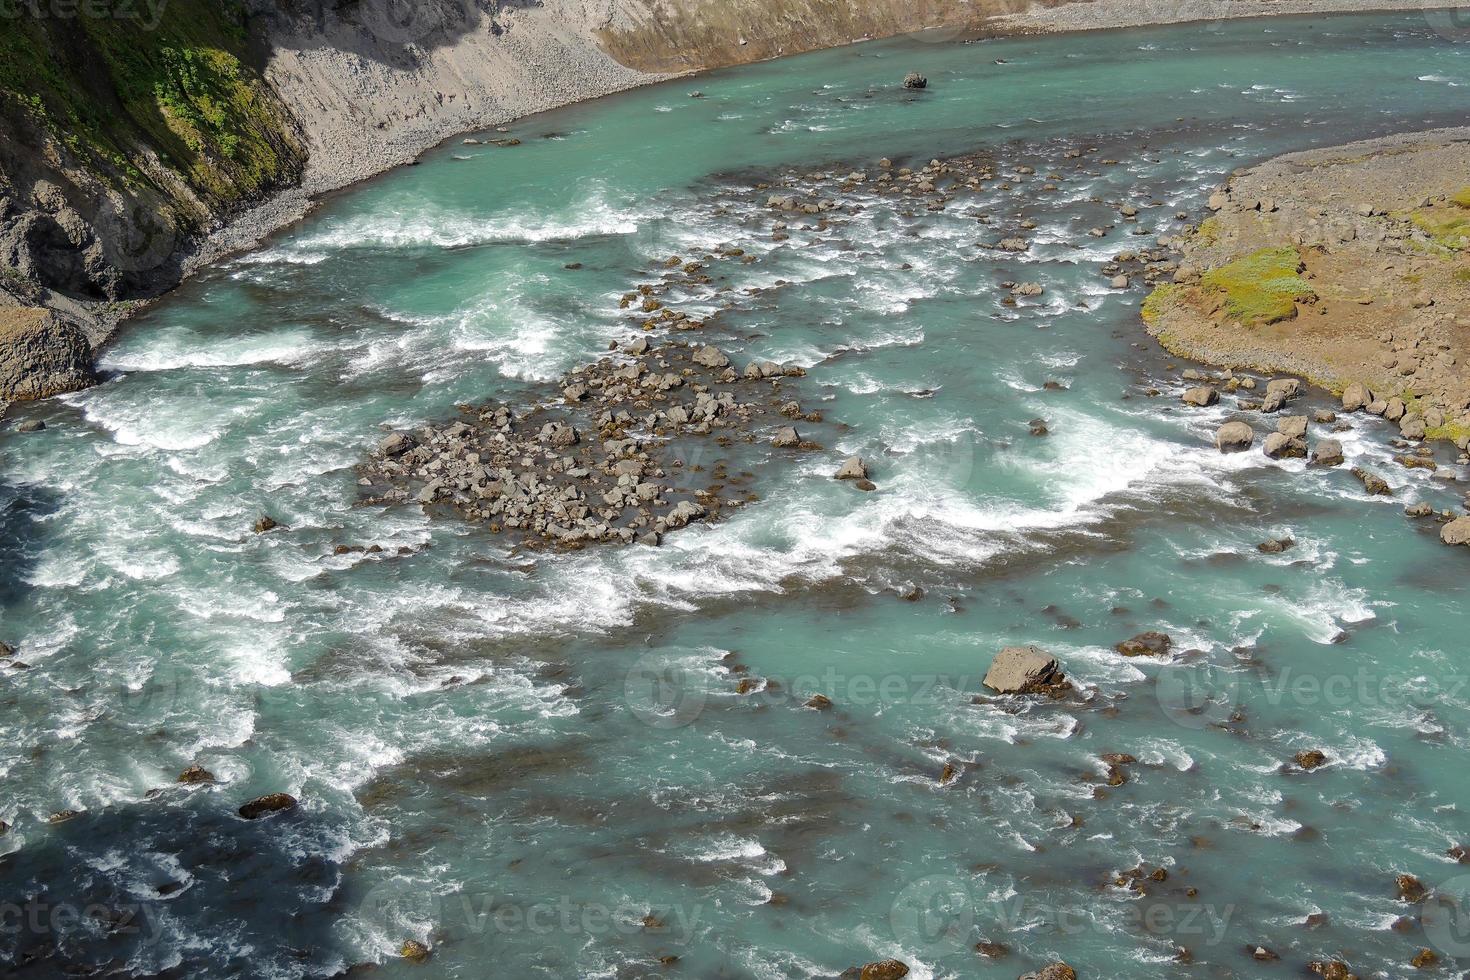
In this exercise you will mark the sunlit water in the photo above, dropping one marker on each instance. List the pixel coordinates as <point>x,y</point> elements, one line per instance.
<point>517,757</point>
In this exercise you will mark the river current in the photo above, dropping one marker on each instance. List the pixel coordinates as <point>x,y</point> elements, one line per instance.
<point>545,764</point>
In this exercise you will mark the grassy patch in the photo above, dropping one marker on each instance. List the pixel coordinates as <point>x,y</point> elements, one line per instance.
<point>1263,287</point>
<point>1448,228</point>
<point>1157,301</point>
<point>1462,198</point>
<point>104,86</point>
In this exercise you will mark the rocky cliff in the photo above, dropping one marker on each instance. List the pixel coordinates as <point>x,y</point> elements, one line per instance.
<point>140,138</point>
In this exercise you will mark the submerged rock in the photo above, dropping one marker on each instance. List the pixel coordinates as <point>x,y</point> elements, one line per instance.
<point>1149,644</point>
<point>413,951</point>
<point>914,80</point>
<point>884,970</point>
<point>1372,482</point>
<point>1023,670</point>
<point>1052,971</point>
<point>195,775</point>
<point>1310,759</point>
<point>263,806</point>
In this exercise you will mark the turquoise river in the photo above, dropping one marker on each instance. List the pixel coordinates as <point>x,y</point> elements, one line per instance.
<point>542,764</point>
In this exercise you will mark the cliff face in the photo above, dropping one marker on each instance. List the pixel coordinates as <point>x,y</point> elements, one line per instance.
<point>139,138</point>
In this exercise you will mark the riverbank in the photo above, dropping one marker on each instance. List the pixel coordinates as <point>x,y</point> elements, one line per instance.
<point>1346,266</point>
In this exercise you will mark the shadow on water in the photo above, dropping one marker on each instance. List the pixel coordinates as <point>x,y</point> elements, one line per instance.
<point>177,886</point>
<point>23,509</point>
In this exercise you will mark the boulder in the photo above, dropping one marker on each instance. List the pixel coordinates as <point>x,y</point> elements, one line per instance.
<point>1275,546</point>
<point>1234,437</point>
<point>558,434</point>
<point>1310,759</point>
<point>1052,971</point>
<point>711,357</point>
<point>1292,425</point>
<point>31,425</point>
<point>1456,531</point>
<point>263,806</point>
<point>914,80</point>
<point>1327,452</point>
<point>683,512</point>
<point>1279,446</point>
<point>1278,392</point>
<point>266,523</point>
<point>1356,396</point>
<point>1200,397</point>
<point>41,355</point>
<point>1411,426</point>
<point>786,437</point>
<point>413,951</point>
<point>853,468</point>
<point>1023,670</point>
<point>1119,282</point>
<point>884,970</point>
<point>195,775</point>
<point>396,444</point>
<point>1149,644</point>
<point>1394,409</point>
<point>1420,509</point>
<point>1372,482</point>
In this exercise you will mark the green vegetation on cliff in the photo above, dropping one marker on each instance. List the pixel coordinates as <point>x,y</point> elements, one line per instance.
<point>1262,287</point>
<point>105,87</point>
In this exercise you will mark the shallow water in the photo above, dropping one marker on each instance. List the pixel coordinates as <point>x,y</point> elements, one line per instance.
<point>517,757</point>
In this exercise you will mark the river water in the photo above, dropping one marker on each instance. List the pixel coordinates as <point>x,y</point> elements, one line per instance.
<point>539,764</point>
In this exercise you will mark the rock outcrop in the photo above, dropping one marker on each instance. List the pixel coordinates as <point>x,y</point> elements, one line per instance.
<point>41,355</point>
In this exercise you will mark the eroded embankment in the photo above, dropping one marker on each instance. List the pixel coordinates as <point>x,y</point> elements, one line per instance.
<point>1347,266</point>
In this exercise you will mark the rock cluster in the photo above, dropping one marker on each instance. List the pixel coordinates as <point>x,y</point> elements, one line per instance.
<point>600,465</point>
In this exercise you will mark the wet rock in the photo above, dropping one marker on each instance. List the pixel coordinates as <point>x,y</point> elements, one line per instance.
<point>1327,452</point>
<point>1013,245</point>
<point>1262,954</point>
<point>396,444</point>
<point>1421,509</point>
<point>1275,546</point>
<point>195,775</point>
<point>574,393</point>
<point>1279,391</point>
<point>263,806</point>
<point>853,468</point>
<point>684,512</point>
<point>1373,483</point>
<point>62,816</point>
<point>1052,971</point>
<point>1280,446</point>
<point>1201,397</point>
<point>786,437</point>
<point>884,969</point>
<point>914,80</point>
<point>265,523</point>
<point>1424,959</point>
<point>1023,670</point>
<point>867,486</point>
<point>1331,970</point>
<point>1410,889</point>
<point>1456,531</point>
<point>413,951</point>
<point>818,702</point>
<point>1310,759</point>
<point>31,425</point>
<point>1234,437</point>
<point>1356,396</point>
<point>1149,644</point>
